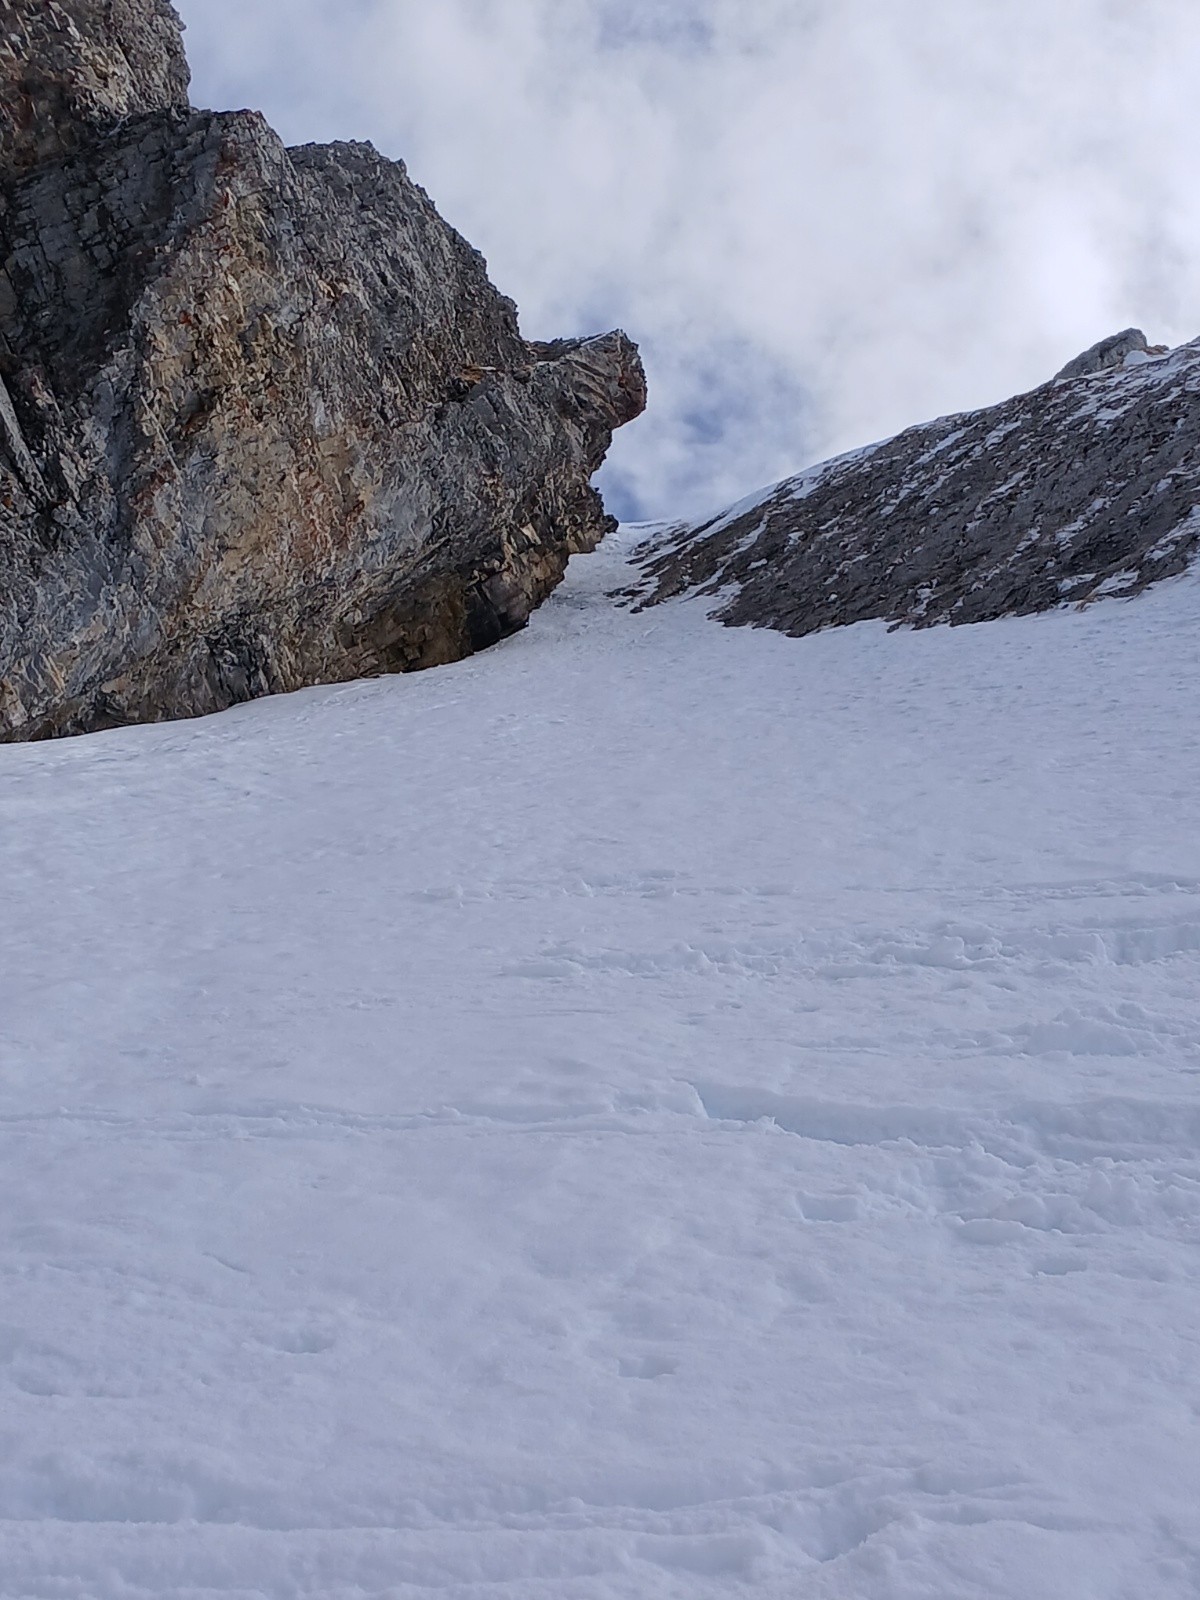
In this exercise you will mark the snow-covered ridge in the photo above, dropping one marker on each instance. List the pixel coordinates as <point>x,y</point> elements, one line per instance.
<point>1086,486</point>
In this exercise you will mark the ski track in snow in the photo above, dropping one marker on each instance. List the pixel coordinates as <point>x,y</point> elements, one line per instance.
<point>652,1111</point>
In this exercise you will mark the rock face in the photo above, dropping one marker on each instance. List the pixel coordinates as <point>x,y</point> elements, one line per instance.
<point>264,421</point>
<point>66,65</point>
<point>1086,486</point>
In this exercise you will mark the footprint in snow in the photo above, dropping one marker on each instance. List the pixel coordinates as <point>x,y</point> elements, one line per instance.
<point>299,1341</point>
<point>827,1207</point>
<point>656,1366</point>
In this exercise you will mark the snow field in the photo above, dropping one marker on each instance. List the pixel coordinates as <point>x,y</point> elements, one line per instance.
<point>653,1111</point>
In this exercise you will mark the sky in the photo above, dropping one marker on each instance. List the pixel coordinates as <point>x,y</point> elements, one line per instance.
<point>822,220</point>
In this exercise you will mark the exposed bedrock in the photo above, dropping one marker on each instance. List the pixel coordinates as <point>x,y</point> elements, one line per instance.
<point>264,421</point>
<point>1086,486</point>
<point>67,65</point>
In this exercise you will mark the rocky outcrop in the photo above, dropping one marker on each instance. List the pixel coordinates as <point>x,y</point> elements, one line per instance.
<point>1125,349</point>
<point>264,421</point>
<point>68,65</point>
<point>1086,486</point>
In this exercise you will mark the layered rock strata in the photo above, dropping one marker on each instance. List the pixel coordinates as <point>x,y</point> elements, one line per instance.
<point>1086,486</point>
<point>67,66</point>
<point>264,421</point>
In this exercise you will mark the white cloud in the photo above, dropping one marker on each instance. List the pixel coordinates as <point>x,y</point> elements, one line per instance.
<point>823,219</point>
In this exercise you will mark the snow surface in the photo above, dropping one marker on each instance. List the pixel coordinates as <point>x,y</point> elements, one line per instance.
<point>653,1111</point>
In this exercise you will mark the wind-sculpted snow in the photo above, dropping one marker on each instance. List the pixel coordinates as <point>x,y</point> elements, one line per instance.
<point>656,1113</point>
<point>1084,487</point>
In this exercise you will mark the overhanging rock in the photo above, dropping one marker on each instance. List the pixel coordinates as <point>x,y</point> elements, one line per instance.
<point>264,420</point>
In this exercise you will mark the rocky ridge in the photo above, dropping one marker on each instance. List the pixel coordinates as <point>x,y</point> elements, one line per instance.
<point>1086,486</point>
<point>264,420</point>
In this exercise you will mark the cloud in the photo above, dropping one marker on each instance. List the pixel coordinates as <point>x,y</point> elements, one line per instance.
<point>823,219</point>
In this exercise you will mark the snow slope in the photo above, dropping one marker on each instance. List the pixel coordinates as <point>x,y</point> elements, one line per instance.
<point>651,1111</point>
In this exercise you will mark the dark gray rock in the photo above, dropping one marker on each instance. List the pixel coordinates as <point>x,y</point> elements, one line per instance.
<point>264,421</point>
<point>67,66</point>
<point>1080,488</point>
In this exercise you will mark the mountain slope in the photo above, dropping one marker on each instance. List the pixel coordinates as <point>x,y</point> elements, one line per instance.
<point>1086,486</point>
<point>654,1111</point>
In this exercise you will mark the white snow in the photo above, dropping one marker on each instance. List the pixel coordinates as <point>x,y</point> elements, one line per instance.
<point>652,1111</point>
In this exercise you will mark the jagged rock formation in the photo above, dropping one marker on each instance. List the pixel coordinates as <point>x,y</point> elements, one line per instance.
<point>264,421</point>
<point>1086,486</point>
<point>68,65</point>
